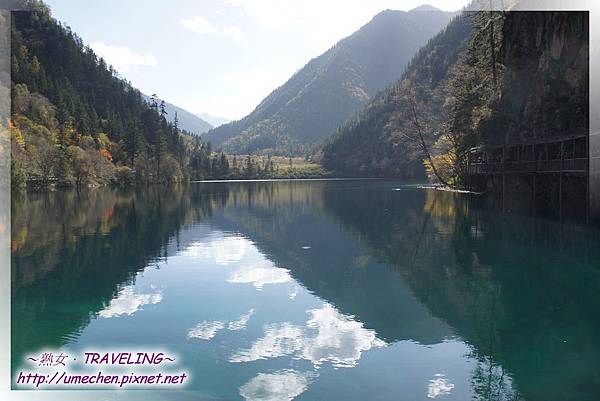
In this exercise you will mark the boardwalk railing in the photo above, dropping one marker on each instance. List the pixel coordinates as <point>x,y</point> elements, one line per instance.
<point>563,156</point>
<point>579,165</point>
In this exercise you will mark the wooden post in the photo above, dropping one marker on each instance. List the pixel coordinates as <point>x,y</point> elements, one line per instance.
<point>534,190</point>
<point>504,177</point>
<point>469,171</point>
<point>560,174</point>
<point>534,155</point>
<point>587,179</point>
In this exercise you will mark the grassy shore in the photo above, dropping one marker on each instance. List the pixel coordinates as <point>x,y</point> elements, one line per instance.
<point>276,167</point>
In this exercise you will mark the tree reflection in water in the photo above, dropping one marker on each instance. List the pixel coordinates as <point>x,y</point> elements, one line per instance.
<point>521,292</point>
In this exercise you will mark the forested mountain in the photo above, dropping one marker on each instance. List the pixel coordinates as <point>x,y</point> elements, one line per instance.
<point>489,76</point>
<point>380,140</point>
<point>187,121</point>
<point>331,87</point>
<point>74,122</point>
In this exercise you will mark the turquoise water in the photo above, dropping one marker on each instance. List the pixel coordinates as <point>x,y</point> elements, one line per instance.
<point>325,290</point>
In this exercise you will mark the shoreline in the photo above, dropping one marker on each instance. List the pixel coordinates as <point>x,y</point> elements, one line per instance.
<point>286,179</point>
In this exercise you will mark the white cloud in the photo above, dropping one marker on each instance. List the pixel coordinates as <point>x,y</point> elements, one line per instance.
<point>128,302</point>
<point>235,33</point>
<point>284,385</point>
<point>439,386</point>
<point>205,330</point>
<point>260,274</point>
<point>200,25</point>
<point>328,336</point>
<point>123,58</point>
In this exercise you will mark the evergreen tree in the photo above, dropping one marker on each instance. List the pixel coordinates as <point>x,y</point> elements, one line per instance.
<point>224,164</point>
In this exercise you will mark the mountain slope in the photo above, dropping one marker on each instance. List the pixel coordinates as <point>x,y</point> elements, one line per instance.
<point>375,142</point>
<point>331,87</point>
<point>74,122</point>
<point>536,88</point>
<point>187,121</point>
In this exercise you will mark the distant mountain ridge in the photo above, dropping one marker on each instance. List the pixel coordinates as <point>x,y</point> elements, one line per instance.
<point>187,121</point>
<point>332,87</point>
<point>215,121</point>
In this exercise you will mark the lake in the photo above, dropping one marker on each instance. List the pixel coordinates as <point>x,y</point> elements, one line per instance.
<point>312,290</point>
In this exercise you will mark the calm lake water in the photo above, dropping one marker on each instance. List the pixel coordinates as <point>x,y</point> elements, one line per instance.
<point>322,290</point>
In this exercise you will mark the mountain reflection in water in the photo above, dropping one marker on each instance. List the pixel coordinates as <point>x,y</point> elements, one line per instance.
<point>314,290</point>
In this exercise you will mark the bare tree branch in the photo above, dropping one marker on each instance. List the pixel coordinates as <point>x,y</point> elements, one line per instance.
<point>419,130</point>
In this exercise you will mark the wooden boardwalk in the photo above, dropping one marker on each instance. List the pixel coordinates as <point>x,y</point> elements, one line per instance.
<point>569,155</point>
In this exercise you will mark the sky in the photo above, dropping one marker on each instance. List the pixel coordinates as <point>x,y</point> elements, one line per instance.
<point>220,57</point>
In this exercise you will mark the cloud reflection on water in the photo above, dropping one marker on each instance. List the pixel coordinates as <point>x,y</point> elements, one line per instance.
<point>439,386</point>
<point>283,385</point>
<point>205,330</point>
<point>240,324</point>
<point>128,302</point>
<point>223,251</point>
<point>328,336</point>
<point>260,274</point>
